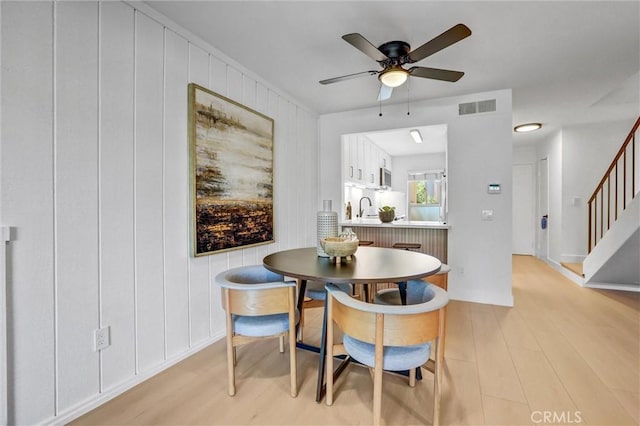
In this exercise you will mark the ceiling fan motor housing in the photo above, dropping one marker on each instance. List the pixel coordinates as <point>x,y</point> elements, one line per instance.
<point>396,51</point>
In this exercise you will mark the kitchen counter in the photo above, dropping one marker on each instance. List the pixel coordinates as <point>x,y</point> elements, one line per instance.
<point>395,224</point>
<point>432,236</point>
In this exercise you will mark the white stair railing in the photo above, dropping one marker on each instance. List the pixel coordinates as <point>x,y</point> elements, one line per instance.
<point>617,188</point>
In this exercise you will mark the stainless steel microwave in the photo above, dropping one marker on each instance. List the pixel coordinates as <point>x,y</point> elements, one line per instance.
<point>385,178</point>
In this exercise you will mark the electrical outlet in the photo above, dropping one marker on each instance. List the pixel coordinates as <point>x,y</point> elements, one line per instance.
<point>102,338</point>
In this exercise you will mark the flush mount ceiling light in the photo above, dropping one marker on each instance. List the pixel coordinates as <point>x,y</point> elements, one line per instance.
<point>415,134</point>
<point>393,77</point>
<point>529,127</point>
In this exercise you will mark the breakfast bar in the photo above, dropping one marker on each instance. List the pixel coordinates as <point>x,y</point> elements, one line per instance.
<point>432,236</point>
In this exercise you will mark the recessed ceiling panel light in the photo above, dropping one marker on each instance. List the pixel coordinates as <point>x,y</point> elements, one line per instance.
<point>415,134</point>
<point>529,127</point>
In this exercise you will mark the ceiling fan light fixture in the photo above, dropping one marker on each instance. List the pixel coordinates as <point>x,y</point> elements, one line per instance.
<point>415,134</point>
<point>529,127</point>
<point>393,77</point>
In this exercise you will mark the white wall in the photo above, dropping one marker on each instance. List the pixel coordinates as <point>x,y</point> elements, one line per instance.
<point>551,149</point>
<point>94,178</point>
<point>405,163</point>
<point>479,152</point>
<point>525,154</point>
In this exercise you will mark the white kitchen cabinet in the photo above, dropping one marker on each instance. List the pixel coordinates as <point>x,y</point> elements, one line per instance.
<point>348,166</point>
<point>362,160</point>
<point>372,153</point>
<point>353,159</point>
<point>359,160</point>
<point>366,163</point>
<point>385,160</point>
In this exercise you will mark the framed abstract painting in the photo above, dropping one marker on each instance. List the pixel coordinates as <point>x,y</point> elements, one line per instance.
<point>231,173</point>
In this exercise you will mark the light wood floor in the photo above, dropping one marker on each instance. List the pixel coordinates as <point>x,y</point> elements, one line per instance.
<point>564,354</point>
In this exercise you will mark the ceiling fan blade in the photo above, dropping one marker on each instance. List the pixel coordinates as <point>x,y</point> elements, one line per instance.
<point>347,77</point>
<point>435,73</point>
<point>446,39</point>
<point>385,92</point>
<point>365,46</point>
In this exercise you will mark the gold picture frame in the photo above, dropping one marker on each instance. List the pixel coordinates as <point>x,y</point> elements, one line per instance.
<point>231,172</point>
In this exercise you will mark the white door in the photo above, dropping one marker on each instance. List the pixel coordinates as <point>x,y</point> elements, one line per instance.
<point>543,208</point>
<point>523,222</point>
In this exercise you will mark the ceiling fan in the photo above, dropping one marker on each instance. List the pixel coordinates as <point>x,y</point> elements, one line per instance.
<point>392,55</point>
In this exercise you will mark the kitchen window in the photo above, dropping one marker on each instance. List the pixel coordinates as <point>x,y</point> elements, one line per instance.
<point>426,196</point>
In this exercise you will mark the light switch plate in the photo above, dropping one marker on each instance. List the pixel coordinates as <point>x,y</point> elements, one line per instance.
<point>487,214</point>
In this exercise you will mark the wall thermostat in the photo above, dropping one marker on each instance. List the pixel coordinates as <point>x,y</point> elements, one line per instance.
<point>493,188</point>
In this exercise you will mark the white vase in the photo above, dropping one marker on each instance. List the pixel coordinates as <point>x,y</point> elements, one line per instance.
<point>327,225</point>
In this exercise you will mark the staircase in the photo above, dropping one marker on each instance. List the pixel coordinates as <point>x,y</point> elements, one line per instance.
<point>613,261</point>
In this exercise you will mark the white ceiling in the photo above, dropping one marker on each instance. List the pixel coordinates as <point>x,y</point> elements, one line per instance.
<point>398,142</point>
<point>567,62</point>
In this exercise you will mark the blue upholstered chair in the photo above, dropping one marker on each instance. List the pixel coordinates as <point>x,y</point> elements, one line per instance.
<point>388,337</point>
<point>258,304</point>
<point>416,291</point>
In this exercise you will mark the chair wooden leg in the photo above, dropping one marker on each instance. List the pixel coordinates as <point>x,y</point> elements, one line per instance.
<point>329,346</point>
<point>437,382</point>
<point>377,370</point>
<point>443,336</point>
<point>412,377</point>
<point>231,350</point>
<point>437,387</point>
<point>371,292</point>
<point>293,360</point>
<point>293,367</point>
<point>231,365</point>
<point>377,392</point>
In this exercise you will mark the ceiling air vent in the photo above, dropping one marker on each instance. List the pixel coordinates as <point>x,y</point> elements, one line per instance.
<point>475,107</point>
<point>487,106</point>
<point>468,108</point>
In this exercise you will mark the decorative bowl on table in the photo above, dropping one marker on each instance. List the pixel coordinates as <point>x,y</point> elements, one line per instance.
<point>339,247</point>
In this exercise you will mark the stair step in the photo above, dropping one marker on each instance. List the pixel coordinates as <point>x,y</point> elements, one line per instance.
<point>576,268</point>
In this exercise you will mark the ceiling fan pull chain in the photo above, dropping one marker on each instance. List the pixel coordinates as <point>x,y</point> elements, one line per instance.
<point>380,114</point>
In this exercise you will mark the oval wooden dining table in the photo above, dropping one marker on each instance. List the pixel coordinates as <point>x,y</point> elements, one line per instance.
<point>369,265</point>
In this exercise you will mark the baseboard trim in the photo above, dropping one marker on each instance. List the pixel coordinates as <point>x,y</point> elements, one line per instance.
<point>612,286</point>
<point>467,296</point>
<point>564,271</point>
<point>84,407</point>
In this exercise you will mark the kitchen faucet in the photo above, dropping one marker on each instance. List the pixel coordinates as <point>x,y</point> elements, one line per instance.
<point>360,211</point>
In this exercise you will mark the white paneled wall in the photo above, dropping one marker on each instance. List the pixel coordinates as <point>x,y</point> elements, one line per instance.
<point>94,178</point>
